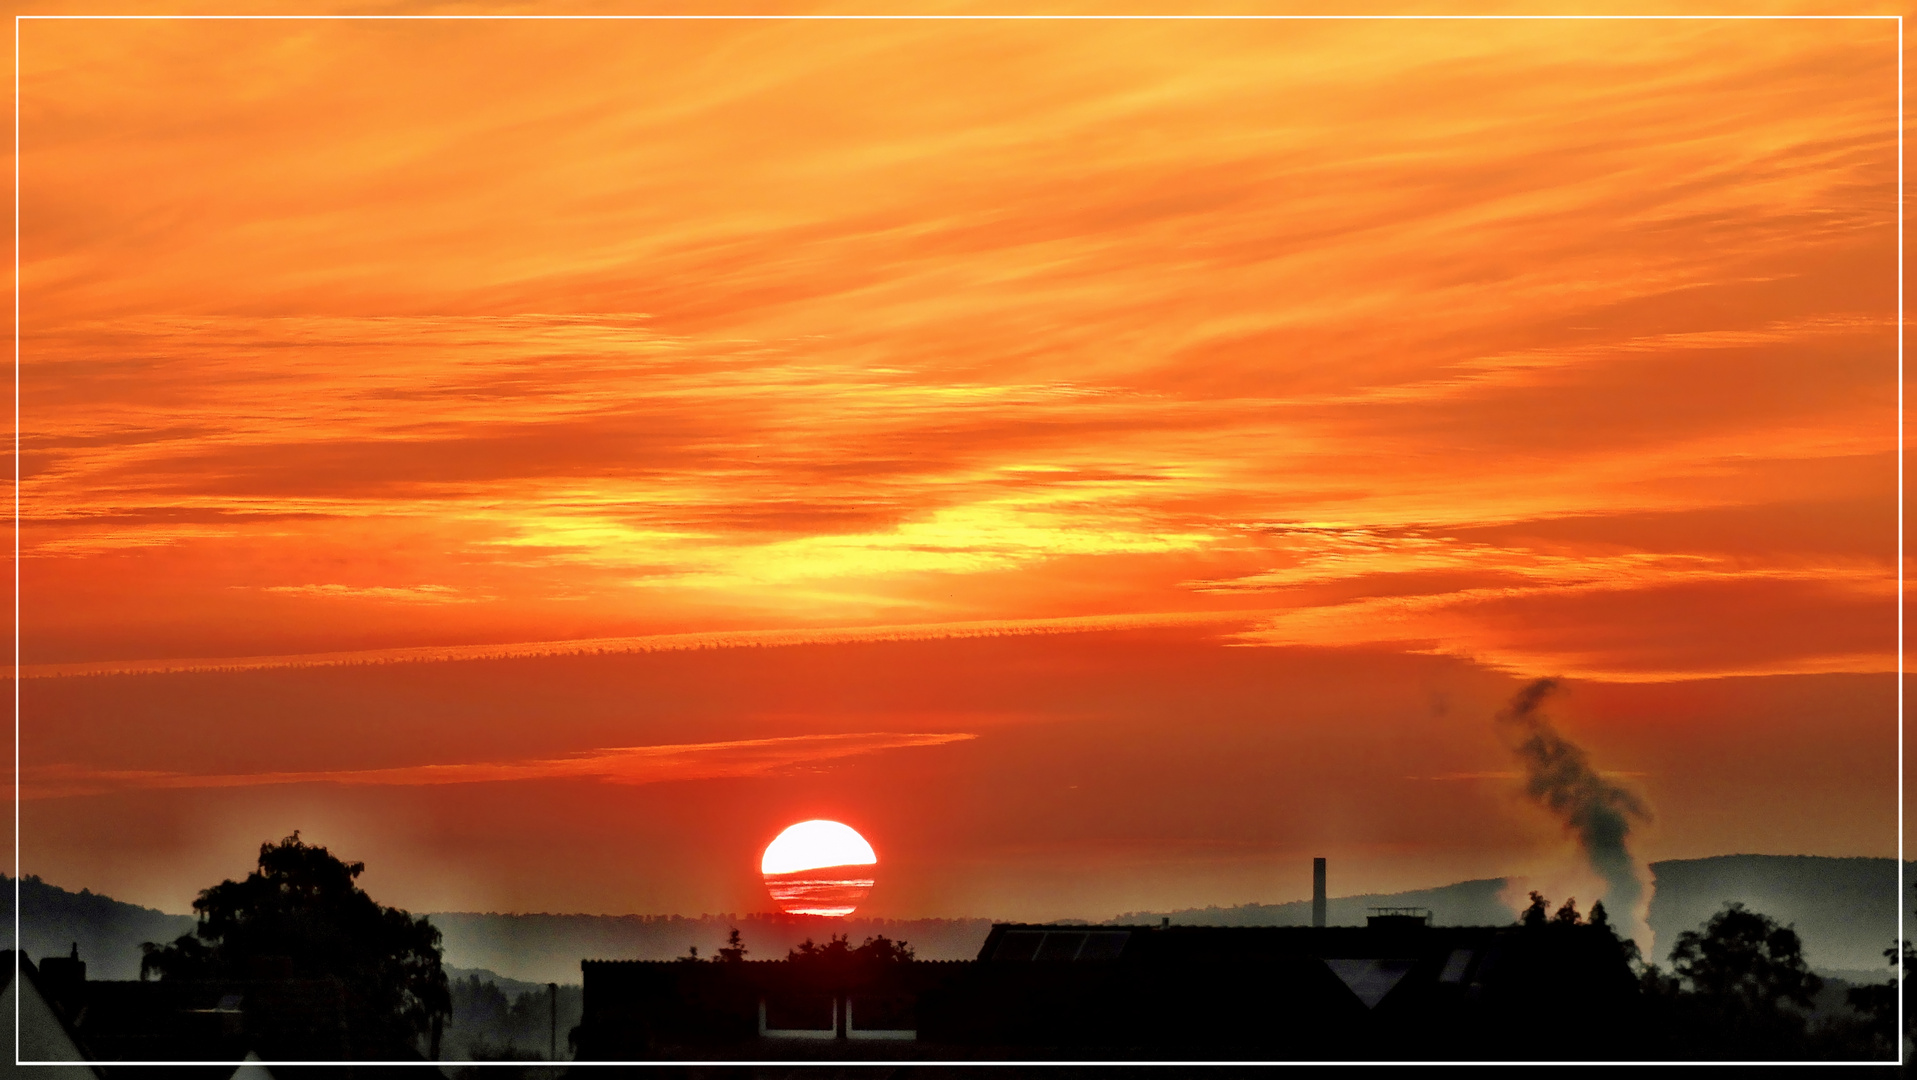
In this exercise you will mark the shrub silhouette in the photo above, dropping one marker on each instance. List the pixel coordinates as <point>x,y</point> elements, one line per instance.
<point>838,952</point>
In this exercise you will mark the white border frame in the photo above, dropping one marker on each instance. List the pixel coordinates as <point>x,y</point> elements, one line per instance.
<point>1899,19</point>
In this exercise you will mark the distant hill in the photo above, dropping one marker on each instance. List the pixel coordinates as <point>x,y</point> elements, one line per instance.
<point>1845,909</point>
<point>108,932</point>
<point>1467,903</point>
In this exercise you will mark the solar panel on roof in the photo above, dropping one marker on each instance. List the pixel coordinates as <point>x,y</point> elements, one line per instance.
<point>1018,945</point>
<point>1104,944</point>
<point>1059,946</point>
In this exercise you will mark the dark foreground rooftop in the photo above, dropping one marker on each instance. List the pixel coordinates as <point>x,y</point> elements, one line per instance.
<point>1396,989</point>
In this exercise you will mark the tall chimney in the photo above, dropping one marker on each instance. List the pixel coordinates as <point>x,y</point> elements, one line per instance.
<point>1318,891</point>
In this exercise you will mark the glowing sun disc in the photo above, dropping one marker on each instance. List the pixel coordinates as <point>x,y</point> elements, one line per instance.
<point>810,845</point>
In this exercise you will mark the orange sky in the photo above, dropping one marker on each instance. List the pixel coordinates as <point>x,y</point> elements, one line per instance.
<point>1108,463</point>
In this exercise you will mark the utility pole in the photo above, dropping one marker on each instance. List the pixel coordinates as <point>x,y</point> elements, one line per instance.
<point>552,1053</point>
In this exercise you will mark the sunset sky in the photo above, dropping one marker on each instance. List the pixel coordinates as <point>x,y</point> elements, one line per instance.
<point>1105,463</point>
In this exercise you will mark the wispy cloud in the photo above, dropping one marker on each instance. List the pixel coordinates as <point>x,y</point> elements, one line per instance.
<point>723,639</point>
<point>1567,348</point>
<point>1625,630</point>
<point>612,765</point>
<point>414,594</point>
<point>981,348</point>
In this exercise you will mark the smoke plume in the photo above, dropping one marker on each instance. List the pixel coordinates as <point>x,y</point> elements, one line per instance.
<point>1559,777</point>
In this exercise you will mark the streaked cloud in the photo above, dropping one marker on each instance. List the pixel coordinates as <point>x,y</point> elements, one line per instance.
<point>779,353</point>
<point>415,594</point>
<point>612,765</point>
<point>1536,348</point>
<point>651,643</point>
<point>1684,628</point>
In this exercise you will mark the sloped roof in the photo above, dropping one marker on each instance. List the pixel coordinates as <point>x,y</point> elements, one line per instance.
<point>44,1034</point>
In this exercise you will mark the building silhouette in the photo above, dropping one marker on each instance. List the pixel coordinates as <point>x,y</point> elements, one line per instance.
<point>64,1016</point>
<point>1397,988</point>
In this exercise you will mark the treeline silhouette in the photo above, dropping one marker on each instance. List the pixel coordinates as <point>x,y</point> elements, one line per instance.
<point>1737,987</point>
<point>548,947</point>
<point>490,1024</point>
<point>1842,910</point>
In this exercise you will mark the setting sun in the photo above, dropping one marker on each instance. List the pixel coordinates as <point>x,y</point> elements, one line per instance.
<point>819,868</point>
<point>810,845</point>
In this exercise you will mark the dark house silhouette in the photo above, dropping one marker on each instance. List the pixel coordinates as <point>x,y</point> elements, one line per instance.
<point>1395,989</point>
<point>650,1009</point>
<point>270,1015</point>
<point>174,1020</point>
<point>35,1009</point>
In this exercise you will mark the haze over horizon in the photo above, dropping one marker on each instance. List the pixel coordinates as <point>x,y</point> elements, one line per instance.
<point>1105,464</point>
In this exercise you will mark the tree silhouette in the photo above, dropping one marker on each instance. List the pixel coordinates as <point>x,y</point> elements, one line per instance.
<point>1878,1003</point>
<point>300,915</point>
<point>836,950</point>
<point>734,950</point>
<point>1741,987</point>
<point>1535,914</point>
<point>883,950</point>
<point>837,953</point>
<point>1745,957</point>
<point>1568,914</point>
